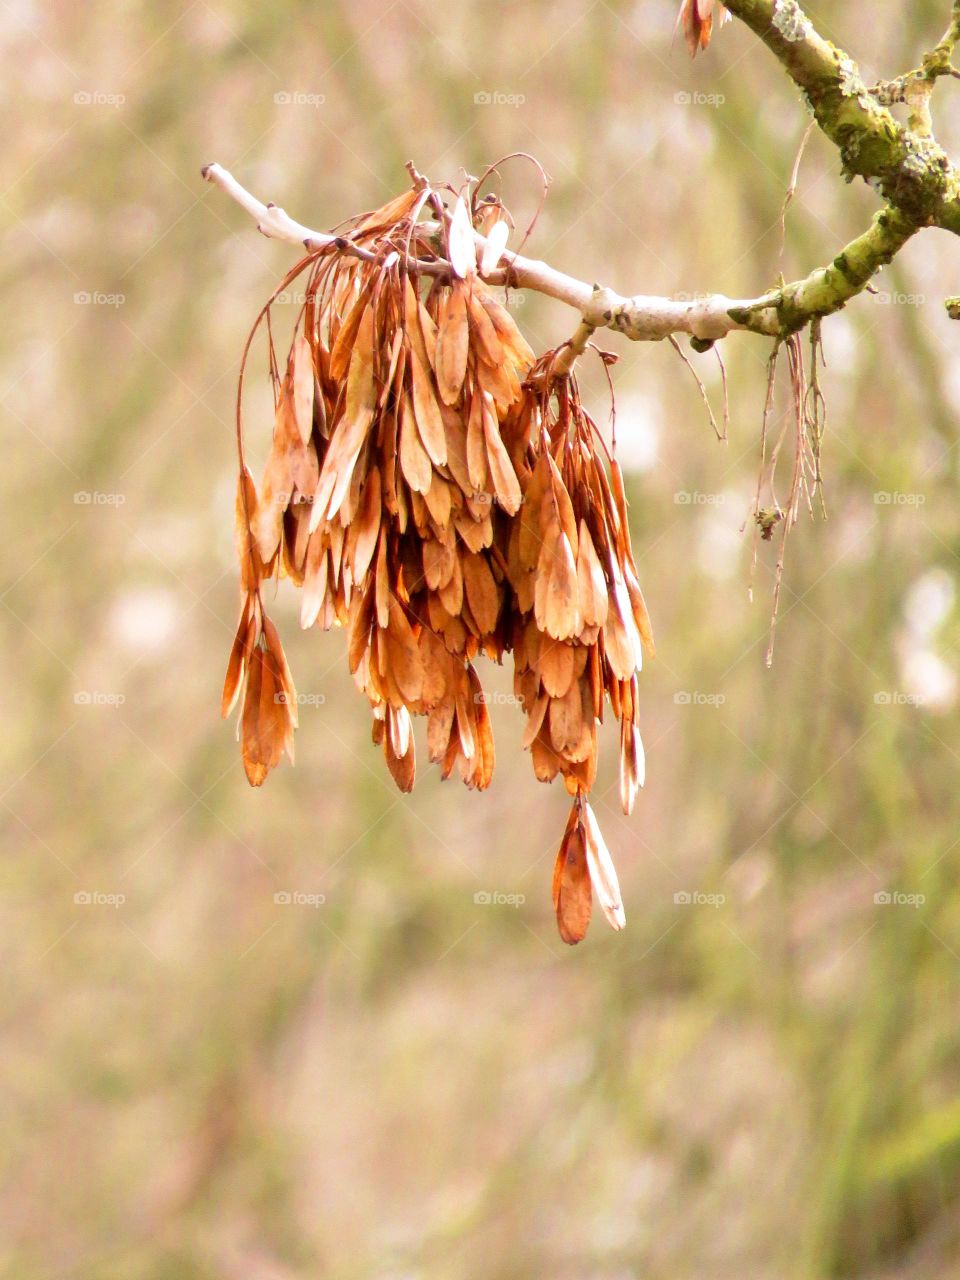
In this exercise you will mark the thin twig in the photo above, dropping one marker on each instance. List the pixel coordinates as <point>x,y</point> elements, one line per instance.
<point>703,390</point>
<point>640,317</point>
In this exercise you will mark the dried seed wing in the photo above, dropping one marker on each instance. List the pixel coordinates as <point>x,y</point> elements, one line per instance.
<point>556,665</point>
<point>414,459</point>
<point>461,242</point>
<point>535,720</point>
<point>281,668</point>
<point>429,418</point>
<point>301,376</point>
<point>314,579</point>
<point>482,594</point>
<point>494,247</point>
<point>440,727</point>
<point>438,500</point>
<point>500,381</point>
<point>399,728</point>
<point>640,614</point>
<point>486,757</point>
<point>361,623</point>
<point>451,593</point>
<point>572,894</point>
<point>621,640</point>
<point>590,580</point>
<point>251,566</point>
<point>253,765</point>
<point>279,476</point>
<point>455,430</point>
<point>468,743</point>
<point>239,656</point>
<point>566,721</point>
<point>403,767</point>
<point>476,444</point>
<point>557,598</point>
<point>367,524</point>
<point>361,377</point>
<point>506,486</point>
<point>620,498</point>
<point>510,336</point>
<point>346,335</point>
<point>405,664</point>
<point>629,766</point>
<point>602,871</point>
<point>392,212</point>
<point>453,346</point>
<point>382,584</point>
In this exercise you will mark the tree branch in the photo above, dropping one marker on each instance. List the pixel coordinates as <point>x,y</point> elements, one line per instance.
<point>907,167</point>
<point>640,317</point>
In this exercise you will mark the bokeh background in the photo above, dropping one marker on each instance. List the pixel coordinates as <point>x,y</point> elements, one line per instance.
<point>384,1077</point>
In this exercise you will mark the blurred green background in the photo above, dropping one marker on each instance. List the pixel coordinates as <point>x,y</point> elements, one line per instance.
<point>398,1082</point>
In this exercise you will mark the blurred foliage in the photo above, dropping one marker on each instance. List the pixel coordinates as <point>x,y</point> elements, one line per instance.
<point>203,1082</point>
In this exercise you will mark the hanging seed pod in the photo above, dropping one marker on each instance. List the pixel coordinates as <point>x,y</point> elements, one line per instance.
<point>433,489</point>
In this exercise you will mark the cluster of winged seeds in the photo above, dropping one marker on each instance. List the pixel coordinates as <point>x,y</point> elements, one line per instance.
<point>441,494</point>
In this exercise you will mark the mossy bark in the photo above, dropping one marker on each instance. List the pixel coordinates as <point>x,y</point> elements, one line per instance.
<point>911,172</point>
